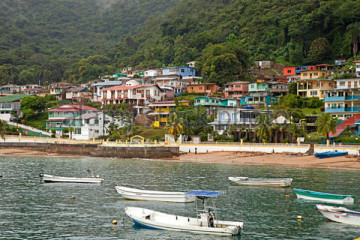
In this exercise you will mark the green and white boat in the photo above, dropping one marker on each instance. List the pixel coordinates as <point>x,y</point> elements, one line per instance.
<point>324,197</point>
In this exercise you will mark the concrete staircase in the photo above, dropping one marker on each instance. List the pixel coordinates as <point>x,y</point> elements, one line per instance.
<point>342,126</point>
<point>28,128</point>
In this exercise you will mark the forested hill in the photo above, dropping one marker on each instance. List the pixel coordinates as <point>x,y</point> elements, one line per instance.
<point>281,30</point>
<point>43,37</point>
<point>78,40</point>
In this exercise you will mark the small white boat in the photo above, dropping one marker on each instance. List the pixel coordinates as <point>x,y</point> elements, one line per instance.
<point>324,197</point>
<point>56,179</point>
<point>339,214</point>
<point>268,182</point>
<point>205,223</point>
<point>146,195</point>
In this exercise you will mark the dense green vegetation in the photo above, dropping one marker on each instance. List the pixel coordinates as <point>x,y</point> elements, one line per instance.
<point>41,39</point>
<point>49,40</point>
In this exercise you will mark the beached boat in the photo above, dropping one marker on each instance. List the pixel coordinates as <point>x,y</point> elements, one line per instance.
<point>324,197</point>
<point>57,179</point>
<point>270,182</point>
<point>146,195</point>
<point>339,214</point>
<point>330,154</point>
<point>204,223</point>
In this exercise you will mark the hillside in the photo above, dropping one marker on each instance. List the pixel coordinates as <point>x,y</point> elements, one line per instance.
<point>282,30</point>
<point>44,37</point>
<point>50,40</point>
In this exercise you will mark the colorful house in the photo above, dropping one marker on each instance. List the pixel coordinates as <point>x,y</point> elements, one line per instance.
<point>258,101</point>
<point>86,122</point>
<point>161,112</point>
<point>59,89</point>
<point>10,105</point>
<point>78,94</point>
<point>207,88</point>
<point>235,90</point>
<point>182,71</point>
<point>343,102</point>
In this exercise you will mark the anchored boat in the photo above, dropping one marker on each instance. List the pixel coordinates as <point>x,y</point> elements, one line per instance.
<point>204,223</point>
<point>324,197</point>
<point>339,214</point>
<point>269,182</point>
<point>57,179</point>
<point>146,195</point>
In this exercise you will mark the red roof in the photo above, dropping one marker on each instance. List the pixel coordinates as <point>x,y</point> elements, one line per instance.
<point>73,108</point>
<point>357,61</point>
<point>128,87</point>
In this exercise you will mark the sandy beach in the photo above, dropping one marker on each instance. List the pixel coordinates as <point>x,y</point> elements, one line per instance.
<point>245,158</point>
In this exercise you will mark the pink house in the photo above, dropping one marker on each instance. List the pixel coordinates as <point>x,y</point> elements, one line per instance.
<point>235,90</point>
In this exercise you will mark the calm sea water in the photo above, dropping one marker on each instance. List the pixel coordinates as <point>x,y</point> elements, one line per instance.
<point>34,210</point>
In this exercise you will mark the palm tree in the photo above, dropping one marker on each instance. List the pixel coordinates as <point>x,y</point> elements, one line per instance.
<point>176,127</point>
<point>325,124</point>
<point>295,131</point>
<point>3,126</point>
<point>275,128</point>
<point>354,34</point>
<point>263,130</point>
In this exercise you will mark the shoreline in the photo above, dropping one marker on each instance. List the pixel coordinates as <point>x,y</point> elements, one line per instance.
<point>236,158</point>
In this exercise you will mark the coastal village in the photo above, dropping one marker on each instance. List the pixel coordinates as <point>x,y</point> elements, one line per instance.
<point>161,105</point>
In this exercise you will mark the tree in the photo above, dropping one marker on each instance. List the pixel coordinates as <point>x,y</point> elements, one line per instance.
<point>320,51</point>
<point>176,127</point>
<point>263,130</point>
<point>354,35</point>
<point>325,124</point>
<point>70,129</point>
<point>3,127</point>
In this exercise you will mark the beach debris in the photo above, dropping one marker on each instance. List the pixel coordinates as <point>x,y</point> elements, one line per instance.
<point>299,218</point>
<point>114,222</point>
<point>72,197</point>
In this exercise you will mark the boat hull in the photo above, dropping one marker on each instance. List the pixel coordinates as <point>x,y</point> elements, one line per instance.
<point>324,197</point>
<point>330,154</point>
<point>144,195</point>
<point>263,182</point>
<point>339,214</point>
<point>162,221</point>
<point>56,179</point>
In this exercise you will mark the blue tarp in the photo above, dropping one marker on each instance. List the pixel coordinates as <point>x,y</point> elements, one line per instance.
<point>203,193</point>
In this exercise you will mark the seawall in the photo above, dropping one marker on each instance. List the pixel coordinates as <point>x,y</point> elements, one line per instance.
<point>96,150</point>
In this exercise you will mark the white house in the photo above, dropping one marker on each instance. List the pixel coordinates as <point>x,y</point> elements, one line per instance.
<point>151,73</point>
<point>98,87</point>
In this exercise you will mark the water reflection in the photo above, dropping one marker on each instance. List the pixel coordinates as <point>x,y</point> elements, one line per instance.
<point>42,211</point>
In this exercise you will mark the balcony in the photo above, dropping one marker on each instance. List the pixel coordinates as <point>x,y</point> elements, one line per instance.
<point>342,110</point>
<point>334,99</point>
<point>355,97</point>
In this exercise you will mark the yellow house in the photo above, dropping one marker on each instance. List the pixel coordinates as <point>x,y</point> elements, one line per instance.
<point>314,87</point>
<point>161,112</point>
<point>313,82</point>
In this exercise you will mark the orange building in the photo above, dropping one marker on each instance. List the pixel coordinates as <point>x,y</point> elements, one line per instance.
<point>209,88</point>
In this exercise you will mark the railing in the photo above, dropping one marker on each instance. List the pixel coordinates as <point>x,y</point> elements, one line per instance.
<point>355,97</point>
<point>335,98</point>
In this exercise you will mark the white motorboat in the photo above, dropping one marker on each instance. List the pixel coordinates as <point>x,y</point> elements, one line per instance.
<point>339,214</point>
<point>268,182</point>
<point>57,179</point>
<point>146,195</point>
<point>204,223</point>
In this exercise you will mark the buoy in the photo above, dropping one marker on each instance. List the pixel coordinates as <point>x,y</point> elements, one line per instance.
<point>72,197</point>
<point>287,195</point>
<point>299,218</point>
<point>29,181</point>
<point>114,222</point>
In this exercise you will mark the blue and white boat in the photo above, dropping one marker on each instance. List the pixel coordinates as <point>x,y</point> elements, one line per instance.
<point>339,214</point>
<point>330,154</point>
<point>204,223</point>
<point>324,197</point>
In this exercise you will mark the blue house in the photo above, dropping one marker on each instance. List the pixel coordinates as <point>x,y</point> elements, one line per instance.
<point>182,71</point>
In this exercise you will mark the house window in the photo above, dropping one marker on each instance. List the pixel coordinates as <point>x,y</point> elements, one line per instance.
<point>312,93</point>
<point>330,84</point>
<point>315,74</point>
<point>305,74</point>
<point>87,121</point>
<point>96,121</point>
<point>182,70</point>
<point>206,100</point>
<point>134,92</point>
<point>341,94</point>
<point>77,131</point>
<point>200,88</point>
<point>126,94</point>
<point>342,83</point>
<point>288,71</point>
